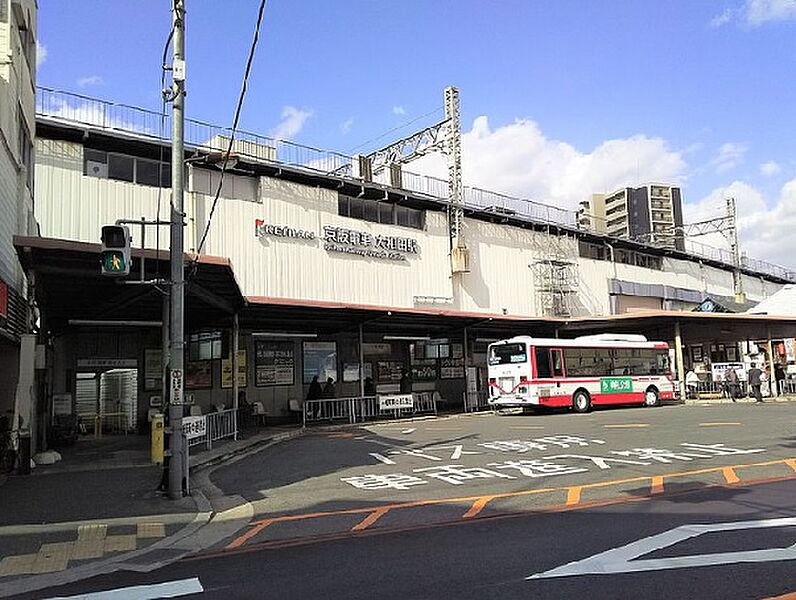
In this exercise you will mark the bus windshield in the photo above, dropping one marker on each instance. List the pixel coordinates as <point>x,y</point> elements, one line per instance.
<point>503,354</point>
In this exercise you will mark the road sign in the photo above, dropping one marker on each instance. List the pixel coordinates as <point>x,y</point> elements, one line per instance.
<point>176,386</point>
<point>396,402</point>
<point>194,427</point>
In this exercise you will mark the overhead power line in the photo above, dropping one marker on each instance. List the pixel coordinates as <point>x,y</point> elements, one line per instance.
<point>234,123</point>
<point>394,129</point>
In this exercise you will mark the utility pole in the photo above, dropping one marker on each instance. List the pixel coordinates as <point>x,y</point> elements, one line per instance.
<point>177,466</point>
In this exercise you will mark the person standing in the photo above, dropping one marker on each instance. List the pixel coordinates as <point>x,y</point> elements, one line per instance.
<point>755,381</point>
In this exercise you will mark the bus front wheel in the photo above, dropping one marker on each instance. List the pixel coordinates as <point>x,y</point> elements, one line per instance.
<point>581,402</point>
<point>651,397</point>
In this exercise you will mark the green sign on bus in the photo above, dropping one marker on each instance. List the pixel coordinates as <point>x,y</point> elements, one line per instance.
<point>616,385</point>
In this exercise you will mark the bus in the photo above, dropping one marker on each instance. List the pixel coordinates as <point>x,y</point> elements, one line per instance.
<point>579,373</point>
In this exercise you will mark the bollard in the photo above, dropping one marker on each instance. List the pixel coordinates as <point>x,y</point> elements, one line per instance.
<point>158,438</point>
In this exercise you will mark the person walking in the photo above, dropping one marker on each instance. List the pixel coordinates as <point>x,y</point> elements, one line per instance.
<point>731,380</point>
<point>755,381</point>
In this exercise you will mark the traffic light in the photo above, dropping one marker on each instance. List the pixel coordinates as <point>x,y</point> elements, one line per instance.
<point>115,256</point>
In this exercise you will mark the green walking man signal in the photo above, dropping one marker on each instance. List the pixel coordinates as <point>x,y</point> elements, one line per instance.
<point>115,255</point>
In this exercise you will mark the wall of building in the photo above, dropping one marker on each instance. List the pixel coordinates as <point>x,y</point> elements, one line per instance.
<point>501,279</point>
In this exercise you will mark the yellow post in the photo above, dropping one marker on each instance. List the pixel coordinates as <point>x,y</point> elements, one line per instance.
<point>158,439</point>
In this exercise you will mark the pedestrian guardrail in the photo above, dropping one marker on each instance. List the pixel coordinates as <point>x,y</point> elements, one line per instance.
<point>363,408</point>
<point>717,388</point>
<point>218,425</point>
<point>475,401</point>
<point>787,386</point>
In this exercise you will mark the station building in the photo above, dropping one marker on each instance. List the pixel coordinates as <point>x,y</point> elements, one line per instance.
<point>317,272</point>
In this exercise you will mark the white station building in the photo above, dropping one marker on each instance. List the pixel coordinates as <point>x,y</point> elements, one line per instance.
<point>321,273</point>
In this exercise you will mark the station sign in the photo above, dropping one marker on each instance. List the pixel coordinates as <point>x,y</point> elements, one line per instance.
<point>345,241</point>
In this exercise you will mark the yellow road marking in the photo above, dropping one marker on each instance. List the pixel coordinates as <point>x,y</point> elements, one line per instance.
<point>627,425</point>
<point>477,507</point>
<point>729,475</point>
<point>719,424</point>
<point>370,519</point>
<point>573,495</point>
<point>478,502</point>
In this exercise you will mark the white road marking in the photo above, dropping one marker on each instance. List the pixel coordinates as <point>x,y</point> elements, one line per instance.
<point>169,589</point>
<point>382,458</point>
<point>622,559</point>
<point>410,430</point>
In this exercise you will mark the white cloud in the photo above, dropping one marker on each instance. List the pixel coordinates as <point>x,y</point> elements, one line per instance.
<point>757,12</point>
<point>754,13</point>
<point>770,168</point>
<point>293,120</point>
<point>90,80</point>
<point>346,125</point>
<point>41,54</point>
<point>721,19</point>
<point>730,155</point>
<point>764,233</point>
<point>398,110</point>
<point>518,159</point>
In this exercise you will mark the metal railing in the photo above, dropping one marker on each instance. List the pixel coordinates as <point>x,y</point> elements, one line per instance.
<point>787,386</point>
<point>362,408</point>
<point>75,108</point>
<point>218,425</point>
<point>475,401</point>
<point>701,388</point>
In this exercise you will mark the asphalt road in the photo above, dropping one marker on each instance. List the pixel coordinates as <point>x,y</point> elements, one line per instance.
<point>672,502</point>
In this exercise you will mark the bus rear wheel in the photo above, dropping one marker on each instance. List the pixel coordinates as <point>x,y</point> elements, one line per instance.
<point>651,397</point>
<point>581,402</point>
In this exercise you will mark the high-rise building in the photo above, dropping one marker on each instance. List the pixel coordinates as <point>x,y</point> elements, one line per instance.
<point>17,127</point>
<point>652,213</point>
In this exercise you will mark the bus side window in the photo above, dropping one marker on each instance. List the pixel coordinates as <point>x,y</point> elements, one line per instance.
<point>543,370</point>
<point>558,363</point>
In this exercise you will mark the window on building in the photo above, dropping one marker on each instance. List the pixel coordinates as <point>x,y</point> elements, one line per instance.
<point>320,359</point>
<point>207,345</point>
<point>25,149</point>
<point>27,47</point>
<point>383,212</point>
<point>124,167</point>
<point>234,186</point>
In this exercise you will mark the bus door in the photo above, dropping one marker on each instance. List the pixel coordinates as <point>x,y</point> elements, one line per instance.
<point>549,363</point>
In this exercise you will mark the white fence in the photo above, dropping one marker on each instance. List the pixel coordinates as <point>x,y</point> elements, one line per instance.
<point>787,386</point>
<point>219,425</point>
<point>363,408</point>
<point>475,401</point>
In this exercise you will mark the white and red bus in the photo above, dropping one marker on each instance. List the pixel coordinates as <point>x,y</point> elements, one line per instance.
<point>581,373</point>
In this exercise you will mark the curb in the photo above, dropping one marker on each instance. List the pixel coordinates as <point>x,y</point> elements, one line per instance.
<point>255,443</point>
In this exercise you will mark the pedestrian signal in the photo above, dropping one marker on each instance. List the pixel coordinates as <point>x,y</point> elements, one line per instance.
<point>115,255</point>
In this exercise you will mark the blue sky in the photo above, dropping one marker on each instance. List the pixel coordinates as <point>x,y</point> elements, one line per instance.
<point>571,97</point>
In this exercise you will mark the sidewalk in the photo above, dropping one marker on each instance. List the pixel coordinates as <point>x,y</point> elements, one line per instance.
<point>98,510</point>
<point>745,400</point>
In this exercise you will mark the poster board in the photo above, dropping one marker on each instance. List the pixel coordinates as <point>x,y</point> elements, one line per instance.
<point>275,363</point>
<point>226,371</point>
<point>199,374</point>
<point>451,368</point>
<point>153,368</point>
